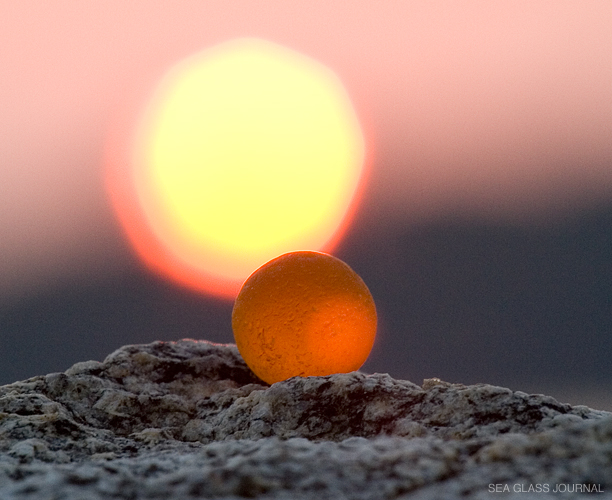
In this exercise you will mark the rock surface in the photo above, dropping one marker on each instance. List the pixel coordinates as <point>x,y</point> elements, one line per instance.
<point>188,419</point>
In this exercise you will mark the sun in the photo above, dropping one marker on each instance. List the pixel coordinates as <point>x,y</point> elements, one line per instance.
<point>246,151</point>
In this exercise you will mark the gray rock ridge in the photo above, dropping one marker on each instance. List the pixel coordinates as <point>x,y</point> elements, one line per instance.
<point>188,419</point>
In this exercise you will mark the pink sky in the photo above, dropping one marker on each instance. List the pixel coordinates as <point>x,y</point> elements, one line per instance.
<point>491,108</point>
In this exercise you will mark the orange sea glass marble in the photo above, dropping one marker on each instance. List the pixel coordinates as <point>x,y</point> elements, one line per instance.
<point>304,314</point>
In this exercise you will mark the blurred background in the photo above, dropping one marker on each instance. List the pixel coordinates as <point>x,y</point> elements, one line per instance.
<point>484,231</point>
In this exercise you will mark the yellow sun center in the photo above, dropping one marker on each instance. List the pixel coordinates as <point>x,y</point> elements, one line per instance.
<point>247,151</point>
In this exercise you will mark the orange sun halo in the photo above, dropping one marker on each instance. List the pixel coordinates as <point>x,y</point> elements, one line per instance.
<point>245,151</point>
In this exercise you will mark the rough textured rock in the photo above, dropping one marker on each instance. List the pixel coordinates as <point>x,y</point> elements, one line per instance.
<point>188,419</point>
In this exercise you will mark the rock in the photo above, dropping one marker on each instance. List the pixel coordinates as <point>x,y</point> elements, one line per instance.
<point>188,419</point>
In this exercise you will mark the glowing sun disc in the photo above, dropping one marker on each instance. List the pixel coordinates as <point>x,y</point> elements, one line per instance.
<point>246,151</point>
